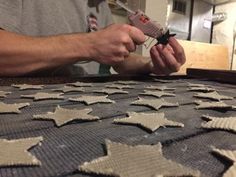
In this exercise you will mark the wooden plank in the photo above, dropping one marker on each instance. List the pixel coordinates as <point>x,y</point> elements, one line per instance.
<point>204,56</point>
<point>217,75</point>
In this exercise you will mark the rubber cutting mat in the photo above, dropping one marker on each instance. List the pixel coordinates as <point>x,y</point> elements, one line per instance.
<point>64,149</point>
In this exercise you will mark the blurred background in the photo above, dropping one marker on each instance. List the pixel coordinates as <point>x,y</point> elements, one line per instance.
<point>206,28</point>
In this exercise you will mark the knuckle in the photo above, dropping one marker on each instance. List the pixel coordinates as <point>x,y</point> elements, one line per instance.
<point>125,39</point>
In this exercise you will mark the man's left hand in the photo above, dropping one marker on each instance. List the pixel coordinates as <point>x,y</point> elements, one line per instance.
<point>168,58</point>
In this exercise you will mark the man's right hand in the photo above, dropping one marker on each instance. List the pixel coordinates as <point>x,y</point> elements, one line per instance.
<point>114,43</point>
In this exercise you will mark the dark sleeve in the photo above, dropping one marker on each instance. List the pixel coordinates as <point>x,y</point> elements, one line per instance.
<point>10,15</point>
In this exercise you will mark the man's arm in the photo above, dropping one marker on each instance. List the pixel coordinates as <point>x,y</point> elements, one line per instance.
<point>21,55</point>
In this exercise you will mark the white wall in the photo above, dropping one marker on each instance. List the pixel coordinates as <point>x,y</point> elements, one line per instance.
<point>157,11</point>
<point>223,31</point>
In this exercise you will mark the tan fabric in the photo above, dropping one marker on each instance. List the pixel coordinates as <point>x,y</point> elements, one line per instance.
<point>119,86</point>
<point>12,108</point>
<point>196,85</point>
<point>149,121</point>
<point>230,155</point>
<point>136,161</point>
<point>92,99</point>
<point>154,103</point>
<point>157,94</point>
<point>67,89</point>
<point>126,82</point>
<point>80,84</point>
<point>4,94</point>
<point>44,96</point>
<point>212,105</point>
<point>161,88</point>
<point>14,152</point>
<point>213,96</point>
<point>164,81</point>
<point>62,116</point>
<point>28,87</point>
<point>201,89</point>
<point>111,91</point>
<point>223,123</point>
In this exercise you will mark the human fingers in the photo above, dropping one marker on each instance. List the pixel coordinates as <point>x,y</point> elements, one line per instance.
<point>168,58</point>
<point>136,35</point>
<point>159,66</point>
<point>130,45</point>
<point>178,50</point>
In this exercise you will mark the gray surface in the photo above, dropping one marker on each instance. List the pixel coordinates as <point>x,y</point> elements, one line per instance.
<point>65,148</point>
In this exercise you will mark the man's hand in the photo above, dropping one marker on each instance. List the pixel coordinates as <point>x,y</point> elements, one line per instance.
<point>167,59</point>
<point>114,43</point>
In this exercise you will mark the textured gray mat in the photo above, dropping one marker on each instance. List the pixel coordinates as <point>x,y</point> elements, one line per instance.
<point>63,149</point>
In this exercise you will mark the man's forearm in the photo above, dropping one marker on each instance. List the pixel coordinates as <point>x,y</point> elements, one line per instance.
<point>134,64</point>
<point>20,55</point>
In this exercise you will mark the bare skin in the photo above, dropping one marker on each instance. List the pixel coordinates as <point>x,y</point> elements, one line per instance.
<point>22,55</point>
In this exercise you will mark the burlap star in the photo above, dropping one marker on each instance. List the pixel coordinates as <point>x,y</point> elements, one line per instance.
<point>80,84</point>
<point>126,82</point>
<point>44,96</point>
<point>118,86</point>
<point>157,94</point>
<point>135,161</point>
<point>231,156</point>
<point>67,89</point>
<point>224,123</point>
<point>28,87</point>
<point>213,105</point>
<point>14,152</point>
<point>154,103</point>
<point>161,88</point>
<point>200,89</point>
<point>62,116</point>
<point>111,91</point>
<point>213,96</point>
<point>4,94</point>
<point>92,99</point>
<point>196,85</point>
<point>150,121</point>
<point>163,81</point>
<point>12,108</point>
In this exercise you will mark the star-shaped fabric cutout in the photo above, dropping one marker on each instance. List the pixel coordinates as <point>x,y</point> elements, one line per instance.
<point>80,84</point>
<point>12,108</point>
<point>67,89</point>
<point>44,96</point>
<point>118,86</point>
<point>149,121</point>
<point>231,156</point>
<point>157,94</point>
<point>224,123</point>
<point>161,88</point>
<point>154,103</point>
<point>111,91</point>
<point>135,161</point>
<point>4,94</point>
<point>14,152</point>
<point>201,89</point>
<point>163,81</point>
<point>62,116</point>
<point>28,87</point>
<point>126,82</point>
<point>92,99</point>
<point>213,96</point>
<point>196,85</point>
<point>212,105</point>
